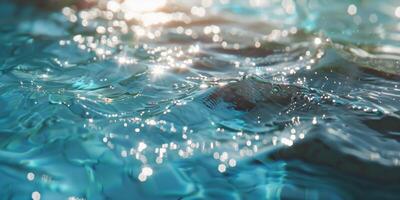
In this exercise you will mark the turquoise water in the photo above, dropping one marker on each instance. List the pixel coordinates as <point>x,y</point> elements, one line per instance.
<point>200,99</point>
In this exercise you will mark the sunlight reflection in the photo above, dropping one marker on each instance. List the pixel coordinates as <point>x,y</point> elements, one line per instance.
<point>157,70</point>
<point>140,6</point>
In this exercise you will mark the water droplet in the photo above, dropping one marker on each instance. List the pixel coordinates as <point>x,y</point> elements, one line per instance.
<point>30,176</point>
<point>35,195</point>
<point>352,9</point>
<point>314,121</point>
<point>222,168</point>
<point>232,162</point>
<point>397,12</point>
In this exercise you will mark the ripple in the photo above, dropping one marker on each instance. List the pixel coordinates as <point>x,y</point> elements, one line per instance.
<point>207,99</point>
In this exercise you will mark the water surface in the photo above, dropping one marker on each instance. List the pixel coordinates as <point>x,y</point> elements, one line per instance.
<point>200,100</point>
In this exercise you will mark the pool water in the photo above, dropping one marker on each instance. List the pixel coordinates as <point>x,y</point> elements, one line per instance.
<point>211,99</point>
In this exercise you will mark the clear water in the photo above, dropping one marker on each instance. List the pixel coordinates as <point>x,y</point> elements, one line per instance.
<point>204,99</point>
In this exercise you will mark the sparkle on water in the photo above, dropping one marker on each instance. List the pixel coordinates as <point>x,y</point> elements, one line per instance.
<point>208,99</point>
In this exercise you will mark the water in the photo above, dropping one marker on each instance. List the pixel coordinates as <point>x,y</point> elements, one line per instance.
<point>200,100</point>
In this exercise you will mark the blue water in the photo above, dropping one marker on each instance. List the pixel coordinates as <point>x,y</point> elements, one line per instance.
<point>200,99</point>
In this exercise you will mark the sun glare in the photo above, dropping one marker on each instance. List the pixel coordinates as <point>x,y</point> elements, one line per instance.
<point>140,6</point>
